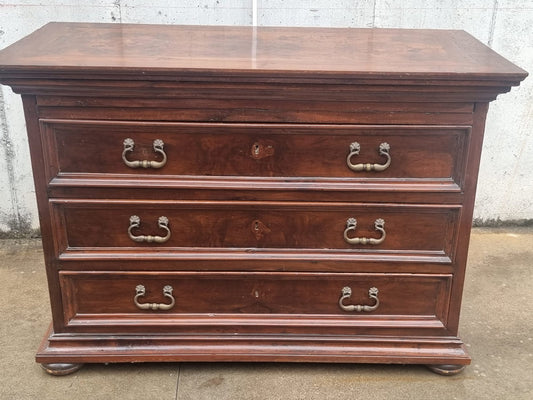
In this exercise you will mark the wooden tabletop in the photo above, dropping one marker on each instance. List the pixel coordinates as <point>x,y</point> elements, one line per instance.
<point>264,51</point>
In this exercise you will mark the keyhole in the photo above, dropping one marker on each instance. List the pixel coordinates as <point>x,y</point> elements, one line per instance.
<point>259,229</point>
<point>256,148</point>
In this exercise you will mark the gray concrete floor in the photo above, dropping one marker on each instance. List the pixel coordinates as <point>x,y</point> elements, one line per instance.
<point>496,325</point>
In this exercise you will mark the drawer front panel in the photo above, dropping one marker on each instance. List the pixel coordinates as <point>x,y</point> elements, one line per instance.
<point>417,153</point>
<point>195,106</point>
<point>247,225</point>
<point>119,293</point>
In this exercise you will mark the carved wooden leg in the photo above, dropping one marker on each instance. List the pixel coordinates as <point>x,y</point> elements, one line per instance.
<point>59,369</point>
<point>446,369</point>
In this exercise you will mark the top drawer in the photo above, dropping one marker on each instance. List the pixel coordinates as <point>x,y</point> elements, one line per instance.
<point>354,152</point>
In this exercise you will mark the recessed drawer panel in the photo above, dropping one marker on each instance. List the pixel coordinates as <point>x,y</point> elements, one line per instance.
<point>396,153</point>
<point>172,225</point>
<point>208,298</point>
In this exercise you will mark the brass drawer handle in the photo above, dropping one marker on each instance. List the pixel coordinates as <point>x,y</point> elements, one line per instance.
<point>140,291</point>
<point>158,145</point>
<point>162,222</point>
<point>354,151</point>
<point>346,294</point>
<point>351,224</point>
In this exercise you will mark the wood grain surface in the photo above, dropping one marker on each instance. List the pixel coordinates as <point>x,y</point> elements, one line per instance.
<point>419,229</point>
<point>151,49</point>
<point>111,296</point>
<point>418,153</point>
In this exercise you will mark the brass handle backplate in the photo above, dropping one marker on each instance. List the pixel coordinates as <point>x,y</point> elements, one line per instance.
<point>354,151</point>
<point>158,145</point>
<point>140,291</point>
<point>162,223</point>
<point>346,293</point>
<point>351,225</point>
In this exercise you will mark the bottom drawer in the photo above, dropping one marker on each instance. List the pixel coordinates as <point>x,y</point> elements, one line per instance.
<point>237,302</point>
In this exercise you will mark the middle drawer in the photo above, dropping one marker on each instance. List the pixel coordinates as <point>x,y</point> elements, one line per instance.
<point>244,226</point>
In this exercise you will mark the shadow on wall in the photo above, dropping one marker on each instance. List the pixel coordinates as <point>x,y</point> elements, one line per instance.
<point>18,227</point>
<point>497,223</point>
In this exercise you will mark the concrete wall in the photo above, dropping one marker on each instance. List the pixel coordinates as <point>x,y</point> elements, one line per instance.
<point>505,184</point>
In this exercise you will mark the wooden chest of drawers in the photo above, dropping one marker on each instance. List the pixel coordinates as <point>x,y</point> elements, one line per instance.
<point>241,194</point>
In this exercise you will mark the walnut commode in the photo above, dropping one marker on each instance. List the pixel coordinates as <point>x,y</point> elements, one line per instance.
<point>254,194</point>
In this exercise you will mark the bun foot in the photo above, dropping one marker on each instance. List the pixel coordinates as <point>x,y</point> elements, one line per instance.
<point>61,369</point>
<point>446,369</point>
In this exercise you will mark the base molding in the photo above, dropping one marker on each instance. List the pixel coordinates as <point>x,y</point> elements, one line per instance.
<point>105,348</point>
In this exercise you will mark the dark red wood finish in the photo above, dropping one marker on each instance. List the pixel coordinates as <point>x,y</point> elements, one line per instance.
<point>226,301</point>
<point>297,53</point>
<point>419,153</point>
<point>257,125</point>
<point>285,225</point>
